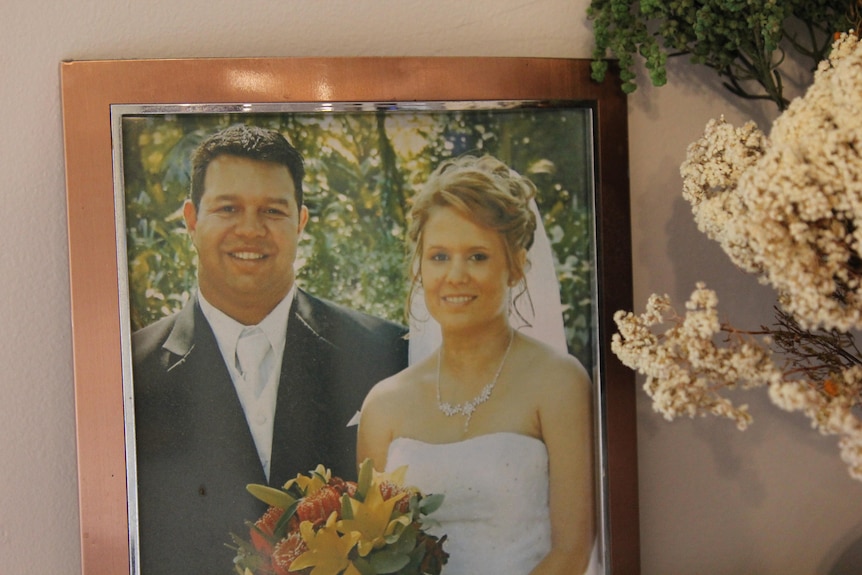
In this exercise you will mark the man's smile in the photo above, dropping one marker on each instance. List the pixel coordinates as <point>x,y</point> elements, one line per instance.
<point>247,255</point>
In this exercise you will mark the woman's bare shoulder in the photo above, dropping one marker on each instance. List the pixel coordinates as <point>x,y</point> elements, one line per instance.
<point>387,409</point>
<point>550,368</point>
<point>395,388</point>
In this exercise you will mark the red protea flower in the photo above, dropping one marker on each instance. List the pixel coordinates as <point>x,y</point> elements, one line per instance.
<point>318,506</point>
<point>389,490</point>
<point>285,553</point>
<point>351,488</point>
<point>348,487</point>
<point>262,536</point>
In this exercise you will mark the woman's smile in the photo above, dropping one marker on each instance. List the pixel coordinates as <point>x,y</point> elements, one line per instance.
<point>458,299</point>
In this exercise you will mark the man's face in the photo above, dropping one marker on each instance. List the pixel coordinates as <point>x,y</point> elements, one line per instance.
<point>246,232</point>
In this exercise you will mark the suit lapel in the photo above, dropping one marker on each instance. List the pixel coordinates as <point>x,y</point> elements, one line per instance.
<point>181,339</point>
<point>301,436</point>
<point>217,430</point>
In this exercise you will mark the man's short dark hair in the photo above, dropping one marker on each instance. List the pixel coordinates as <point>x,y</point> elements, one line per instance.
<point>250,142</point>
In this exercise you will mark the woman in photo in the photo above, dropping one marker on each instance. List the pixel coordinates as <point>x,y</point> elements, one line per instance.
<point>497,421</point>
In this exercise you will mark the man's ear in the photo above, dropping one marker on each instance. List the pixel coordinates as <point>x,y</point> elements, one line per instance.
<point>303,219</point>
<point>190,215</point>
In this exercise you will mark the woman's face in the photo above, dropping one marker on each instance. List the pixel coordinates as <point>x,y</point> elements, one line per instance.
<point>464,270</point>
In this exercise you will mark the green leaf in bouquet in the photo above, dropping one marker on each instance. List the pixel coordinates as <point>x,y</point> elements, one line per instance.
<point>398,525</point>
<point>366,475</point>
<point>346,507</point>
<point>395,536</point>
<point>280,529</point>
<point>388,560</point>
<point>406,539</point>
<point>363,566</point>
<point>417,555</point>
<point>430,503</point>
<point>271,495</point>
<point>413,503</point>
<point>429,523</point>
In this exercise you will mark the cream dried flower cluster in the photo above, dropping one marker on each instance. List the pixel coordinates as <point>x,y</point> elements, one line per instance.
<point>696,359</point>
<point>787,207</point>
<point>829,415</point>
<point>685,369</point>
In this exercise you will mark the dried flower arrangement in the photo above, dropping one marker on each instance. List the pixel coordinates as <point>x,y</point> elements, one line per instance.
<point>788,208</point>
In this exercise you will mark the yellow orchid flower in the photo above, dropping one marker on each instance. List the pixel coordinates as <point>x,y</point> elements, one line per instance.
<point>371,520</point>
<point>327,550</point>
<point>370,478</point>
<point>395,476</point>
<point>311,483</point>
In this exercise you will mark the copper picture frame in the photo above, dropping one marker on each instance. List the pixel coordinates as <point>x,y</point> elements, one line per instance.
<point>89,91</point>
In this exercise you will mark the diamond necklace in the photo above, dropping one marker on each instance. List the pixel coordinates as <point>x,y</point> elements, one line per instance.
<point>468,407</point>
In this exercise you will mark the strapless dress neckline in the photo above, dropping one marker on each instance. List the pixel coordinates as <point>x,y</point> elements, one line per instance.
<point>494,436</point>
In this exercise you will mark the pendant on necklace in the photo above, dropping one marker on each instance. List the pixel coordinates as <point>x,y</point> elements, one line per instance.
<point>468,407</point>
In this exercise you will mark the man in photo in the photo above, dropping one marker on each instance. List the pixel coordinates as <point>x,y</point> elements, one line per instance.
<point>253,380</point>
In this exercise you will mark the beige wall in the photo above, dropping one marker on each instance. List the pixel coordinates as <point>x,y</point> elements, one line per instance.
<point>775,499</point>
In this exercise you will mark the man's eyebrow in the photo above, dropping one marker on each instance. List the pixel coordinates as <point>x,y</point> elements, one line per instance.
<point>280,201</point>
<point>234,197</point>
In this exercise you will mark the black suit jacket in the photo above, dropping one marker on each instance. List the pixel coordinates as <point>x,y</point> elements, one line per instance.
<point>195,453</point>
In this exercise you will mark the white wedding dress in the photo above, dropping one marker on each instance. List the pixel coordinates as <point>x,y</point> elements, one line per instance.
<point>495,508</point>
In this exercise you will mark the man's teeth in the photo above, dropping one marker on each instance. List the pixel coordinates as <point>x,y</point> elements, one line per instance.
<point>248,256</point>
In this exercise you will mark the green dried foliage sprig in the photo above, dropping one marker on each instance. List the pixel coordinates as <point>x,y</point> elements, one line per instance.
<point>744,41</point>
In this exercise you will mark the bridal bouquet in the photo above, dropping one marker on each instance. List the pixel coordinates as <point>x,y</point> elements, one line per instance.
<point>788,208</point>
<point>318,524</point>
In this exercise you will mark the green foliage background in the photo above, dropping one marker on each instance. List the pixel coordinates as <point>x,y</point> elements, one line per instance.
<point>362,168</point>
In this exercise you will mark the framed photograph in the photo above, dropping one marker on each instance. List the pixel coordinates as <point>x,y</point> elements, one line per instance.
<point>370,133</point>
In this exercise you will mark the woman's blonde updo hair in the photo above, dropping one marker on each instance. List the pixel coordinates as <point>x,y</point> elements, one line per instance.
<point>487,192</point>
